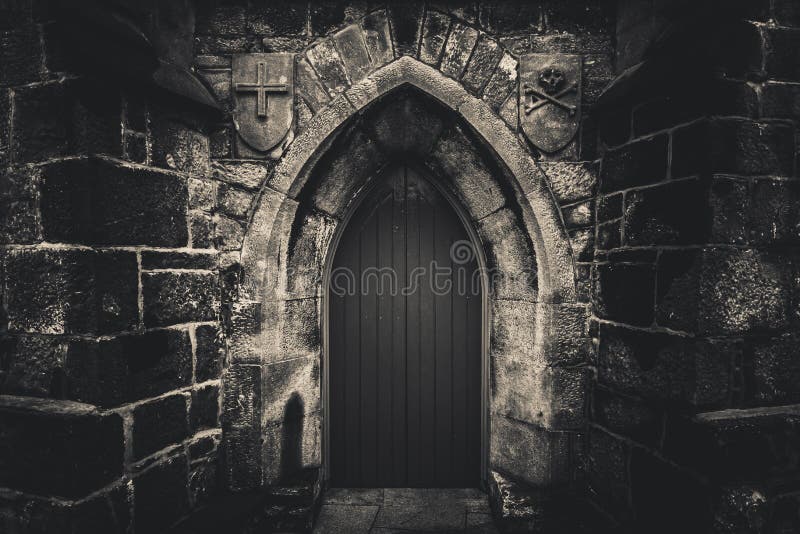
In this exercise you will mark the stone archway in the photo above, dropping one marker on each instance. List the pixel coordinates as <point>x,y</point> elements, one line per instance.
<point>537,403</point>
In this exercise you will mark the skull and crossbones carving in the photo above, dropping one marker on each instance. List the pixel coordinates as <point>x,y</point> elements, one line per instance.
<point>551,81</point>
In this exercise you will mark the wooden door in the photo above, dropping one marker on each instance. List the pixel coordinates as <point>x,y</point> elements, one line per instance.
<point>405,343</point>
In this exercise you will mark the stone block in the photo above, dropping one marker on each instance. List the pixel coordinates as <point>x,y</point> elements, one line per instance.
<point>328,64</point>
<point>774,214</point>
<point>344,170</point>
<point>306,252</point>
<point>160,494</point>
<point>290,446</point>
<point>159,424</point>
<point>607,472</point>
<point>202,230</point>
<point>292,329</point>
<point>378,38</point>
<point>665,367</point>
<point>241,408</point>
<point>179,147</point>
<point>511,260</point>
<point>434,33</point>
<point>202,194</point>
<point>457,50</point>
<point>581,214</point>
<point>571,181</point>
<point>309,87</point>
<point>484,60</point>
<point>609,235</point>
<point>609,207</point>
<point>128,368</point>
<point>651,217</point>
<point>156,259</point>
<point>98,202</point>
<point>290,382</point>
<point>32,365</point>
<point>205,408</point>
<point>208,352</point>
<point>627,416</point>
<point>246,174</point>
<point>406,21</point>
<point>55,291</point>
<point>350,44</point>
<point>733,146</point>
<point>58,448</point>
<point>234,202</point>
<point>243,462</point>
<point>639,163</point>
<point>20,55</point>
<point>179,297</point>
<point>775,370</point>
<point>228,233</point>
<point>110,511</point>
<point>456,162</point>
<point>502,82</point>
<point>625,293</point>
<point>278,18</point>
<point>327,16</point>
<point>782,57</point>
<point>512,451</point>
<point>723,291</point>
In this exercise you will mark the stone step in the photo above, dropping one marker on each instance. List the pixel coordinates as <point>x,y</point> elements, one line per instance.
<point>288,507</point>
<point>520,508</point>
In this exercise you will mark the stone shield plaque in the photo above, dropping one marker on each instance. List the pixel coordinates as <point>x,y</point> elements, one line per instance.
<point>550,99</point>
<point>263,92</point>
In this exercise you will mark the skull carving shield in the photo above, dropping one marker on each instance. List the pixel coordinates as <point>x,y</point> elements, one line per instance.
<point>549,99</point>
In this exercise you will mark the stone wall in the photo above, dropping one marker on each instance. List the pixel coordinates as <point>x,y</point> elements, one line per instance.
<point>694,284</point>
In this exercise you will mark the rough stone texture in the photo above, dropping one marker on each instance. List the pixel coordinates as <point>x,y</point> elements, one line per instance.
<point>205,408</point>
<point>625,293</point>
<point>482,64</point>
<point>327,62</point>
<point>350,44</point>
<point>296,331</point>
<point>570,181</point>
<point>179,297</point>
<point>457,49</point>
<point>502,83</point>
<point>308,433</point>
<point>510,257</point>
<point>209,352</point>
<point>98,202</point>
<point>62,291</point>
<point>158,424</point>
<point>434,33</point>
<point>377,38</point>
<point>160,494</point>
<point>405,21</point>
<point>297,377</point>
<point>61,449</point>
<point>776,370</point>
<point>309,87</point>
<point>510,441</point>
<point>639,163</point>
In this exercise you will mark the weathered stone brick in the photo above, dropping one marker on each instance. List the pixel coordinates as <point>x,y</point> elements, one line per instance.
<point>233,202</point>
<point>651,217</point>
<point>309,87</point>
<point>160,494</point>
<point>511,441</point>
<point>780,101</point>
<point>283,380</point>
<point>502,82</point>
<point>774,214</point>
<point>208,352</point>
<point>627,416</point>
<point>326,16</point>
<point>733,146</point>
<point>96,202</point>
<point>456,161</point>
<point>457,49</point>
<point>405,21</point>
<point>609,207</point>
<point>327,63</point>
<point>31,365</point>
<point>434,33</point>
<point>126,369</point>
<point>581,214</point>
<point>202,230</point>
<point>638,163</point>
<point>484,60</point>
<point>378,38</point>
<point>158,424</point>
<point>509,17</point>
<point>20,55</point>
<point>241,408</point>
<point>205,408</point>
<point>277,18</point>
<point>782,60</point>
<point>512,256</point>
<point>247,174</point>
<point>179,147</point>
<point>723,291</point>
<point>70,291</point>
<point>607,471</point>
<point>666,367</point>
<point>350,44</point>
<point>222,45</point>
<point>305,258</point>
<point>179,297</point>
<point>729,204</point>
<point>582,241</point>
<point>609,235</point>
<point>109,511</point>
<point>625,293</point>
<point>406,125</point>
<point>306,431</point>
<point>220,19</point>
<point>775,371</point>
<point>228,233</point>
<point>571,181</point>
<point>219,81</point>
<point>153,259</point>
<point>58,448</point>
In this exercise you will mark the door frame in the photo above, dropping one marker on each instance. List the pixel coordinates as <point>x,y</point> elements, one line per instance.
<point>429,176</point>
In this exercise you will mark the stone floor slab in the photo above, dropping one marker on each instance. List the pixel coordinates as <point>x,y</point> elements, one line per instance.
<point>440,516</point>
<point>356,496</point>
<point>338,518</point>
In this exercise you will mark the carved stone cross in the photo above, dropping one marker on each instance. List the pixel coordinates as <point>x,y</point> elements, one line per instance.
<point>261,88</point>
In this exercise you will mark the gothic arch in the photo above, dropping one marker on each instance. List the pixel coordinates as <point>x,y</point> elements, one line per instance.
<point>538,393</point>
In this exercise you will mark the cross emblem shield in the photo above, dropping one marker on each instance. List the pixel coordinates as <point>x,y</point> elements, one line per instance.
<point>263,92</point>
<point>549,99</point>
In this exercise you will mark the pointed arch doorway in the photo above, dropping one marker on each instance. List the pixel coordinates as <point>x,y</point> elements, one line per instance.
<point>405,341</point>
